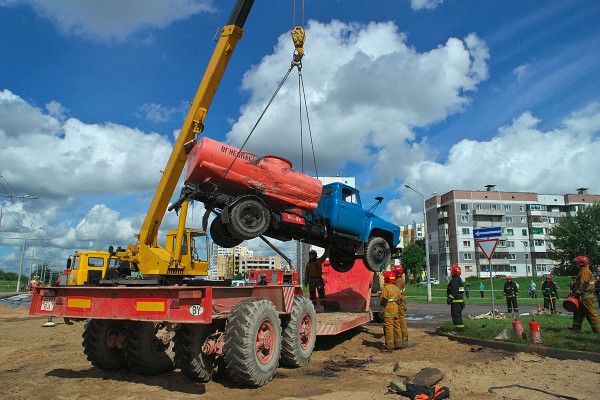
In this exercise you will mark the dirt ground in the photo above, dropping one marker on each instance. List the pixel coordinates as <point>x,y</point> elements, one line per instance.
<point>49,363</point>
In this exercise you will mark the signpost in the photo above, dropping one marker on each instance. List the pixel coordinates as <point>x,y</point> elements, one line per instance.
<point>487,240</point>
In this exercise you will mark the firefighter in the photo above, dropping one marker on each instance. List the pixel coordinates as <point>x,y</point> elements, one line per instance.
<point>511,292</point>
<point>400,283</point>
<point>262,281</point>
<point>390,302</point>
<point>454,294</point>
<point>314,276</point>
<point>549,290</point>
<point>583,289</point>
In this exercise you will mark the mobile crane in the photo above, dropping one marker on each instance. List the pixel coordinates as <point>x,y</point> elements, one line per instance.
<point>163,319</point>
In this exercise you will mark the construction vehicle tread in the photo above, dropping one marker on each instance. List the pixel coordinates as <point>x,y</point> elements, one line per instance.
<point>188,353</point>
<point>299,332</point>
<point>145,352</point>
<point>253,342</point>
<point>95,338</point>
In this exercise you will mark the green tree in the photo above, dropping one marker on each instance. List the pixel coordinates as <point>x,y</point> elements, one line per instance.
<point>577,235</point>
<point>413,259</point>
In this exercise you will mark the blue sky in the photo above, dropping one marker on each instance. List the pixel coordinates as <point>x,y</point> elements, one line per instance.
<point>439,95</point>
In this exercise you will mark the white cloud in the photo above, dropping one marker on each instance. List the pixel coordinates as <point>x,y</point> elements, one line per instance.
<point>113,19</point>
<point>521,71</point>
<point>365,101</point>
<point>50,158</point>
<point>425,4</point>
<point>156,112</point>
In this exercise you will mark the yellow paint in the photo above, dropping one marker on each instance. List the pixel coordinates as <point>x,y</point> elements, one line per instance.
<point>79,303</point>
<point>150,306</point>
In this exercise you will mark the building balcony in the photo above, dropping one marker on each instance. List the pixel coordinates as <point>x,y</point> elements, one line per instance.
<point>443,214</point>
<point>488,212</point>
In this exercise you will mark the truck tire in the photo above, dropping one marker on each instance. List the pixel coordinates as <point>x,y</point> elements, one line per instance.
<point>377,254</point>
<point>339,262</point>
<point>189,356</point>
<point>299,333</point>
<point>101,341</point>
<point>249,218</point>
<point>253,342</point>
<point>221,236</point>
<point>149,348</point>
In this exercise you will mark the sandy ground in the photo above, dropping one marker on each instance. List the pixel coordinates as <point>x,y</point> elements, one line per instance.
<point>49,363</point>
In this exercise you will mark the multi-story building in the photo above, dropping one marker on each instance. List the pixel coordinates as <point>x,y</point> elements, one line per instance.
<point>526,220</point>
<point>411,233</point>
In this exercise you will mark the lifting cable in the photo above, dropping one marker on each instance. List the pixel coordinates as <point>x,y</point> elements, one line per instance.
<point>298,36</point>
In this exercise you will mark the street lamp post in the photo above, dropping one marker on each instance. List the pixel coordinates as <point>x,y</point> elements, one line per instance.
<point>426,243</point>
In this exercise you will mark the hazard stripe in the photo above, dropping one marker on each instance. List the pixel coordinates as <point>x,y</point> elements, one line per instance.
<point>79,303</point>
<point>150,306</point>
<point>288,298</point>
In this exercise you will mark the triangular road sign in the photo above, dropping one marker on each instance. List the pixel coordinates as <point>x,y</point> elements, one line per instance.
<point>487,246</point>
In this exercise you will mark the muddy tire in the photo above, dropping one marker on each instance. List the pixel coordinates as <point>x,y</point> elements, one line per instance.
<point>299,332</point>
<point>221,236</point>
<point>339,262</point>
<point>253,342</point>
<point>150,348</point>
<point>101,338</point>
<point>249,218</point>
<point>377,254</point>
<point>188,353</point>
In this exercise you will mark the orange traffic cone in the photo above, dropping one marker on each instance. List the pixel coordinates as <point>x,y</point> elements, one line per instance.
<point>539,310</point>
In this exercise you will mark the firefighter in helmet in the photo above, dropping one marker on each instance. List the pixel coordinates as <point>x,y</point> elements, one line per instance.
<point>583,289</point>
<point>390,303</point>
<point>400,283</point>
<point>314,276</point>
<point>511,292</point>
<point>454,297</point>
<point>550,293</point>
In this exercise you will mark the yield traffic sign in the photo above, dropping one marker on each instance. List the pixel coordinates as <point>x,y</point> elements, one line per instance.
<point>484,233</point>
<point>487,246</point>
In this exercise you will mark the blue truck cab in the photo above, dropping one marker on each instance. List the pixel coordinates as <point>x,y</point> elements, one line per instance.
<point>352,231</point>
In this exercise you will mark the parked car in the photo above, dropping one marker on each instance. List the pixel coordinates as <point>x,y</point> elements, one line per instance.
<point>434,281</point>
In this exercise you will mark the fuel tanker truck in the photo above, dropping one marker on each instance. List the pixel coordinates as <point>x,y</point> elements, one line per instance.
<point>165,314</point>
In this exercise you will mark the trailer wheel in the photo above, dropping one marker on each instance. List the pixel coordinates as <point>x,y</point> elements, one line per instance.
<point>150,348</point>
<point>249,219</point>
<point>196,365</point>
<point>299,333</point>
<point>377,254</point>
<point>102,343</point>
<point>253,342</point>
<point>221,236</point>
<point>339,262</point>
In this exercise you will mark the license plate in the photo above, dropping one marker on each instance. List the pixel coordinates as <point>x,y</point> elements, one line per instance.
<point>47,304</point>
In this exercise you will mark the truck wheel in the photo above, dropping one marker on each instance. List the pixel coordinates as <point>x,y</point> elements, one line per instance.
<point>299,333</point>
<point>339,262</point>
<point>253,342</point>
<point>189,343</point>
<point>377,254</point>
<point>221,236</point>
<point>102,343</point>
<point>249,219</point>
<point>149,348</point>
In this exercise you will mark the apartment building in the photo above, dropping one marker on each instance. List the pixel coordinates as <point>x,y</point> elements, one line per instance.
<point>526,219</point>
<point>411,233</point>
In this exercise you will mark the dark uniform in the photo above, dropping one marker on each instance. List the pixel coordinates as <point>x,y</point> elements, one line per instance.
<point>550,291</point>
<point>597,288</point>
<point>511,292</point>
<point>390,302</point>
<point>584,290</point>
<point>314,278</point>
<point>400,284</point>
<point>454,294</point>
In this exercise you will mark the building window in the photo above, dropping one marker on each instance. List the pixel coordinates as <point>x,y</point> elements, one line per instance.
<point>467,256</point>
<point>525,244</point>
<point>512,256</point>
<point>466,231</point>
<point>501,243</point>
<point>537,231</point>
<point>466,243</point>
<point>507,207</point>
<point>464,207</point>
<point>510,232</point>
<point>523,220</point>
<point>524,232</point>
<point>464,218</point>
<point>522,208</point>
<point>509,220</point>
<point>527,256</point>
<point>511,243</point>
<point>479,206</point>
<point>538,242</point>
<point>493,207</point>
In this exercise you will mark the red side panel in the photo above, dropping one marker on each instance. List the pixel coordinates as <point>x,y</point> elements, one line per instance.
<point>352,290</point>
<point>271,177</point>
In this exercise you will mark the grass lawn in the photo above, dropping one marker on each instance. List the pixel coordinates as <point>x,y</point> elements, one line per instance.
<point>553,329</point>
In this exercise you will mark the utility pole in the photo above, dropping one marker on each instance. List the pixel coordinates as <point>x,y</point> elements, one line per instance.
<point>426,242</point>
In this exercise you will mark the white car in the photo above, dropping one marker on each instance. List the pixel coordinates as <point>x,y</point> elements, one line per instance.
<point>434,281</point>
